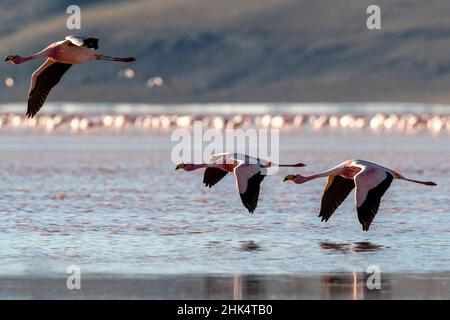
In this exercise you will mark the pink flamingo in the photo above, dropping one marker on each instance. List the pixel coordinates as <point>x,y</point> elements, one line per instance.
<point>371,181</point>
<point>249,173</point>
<point>60,56</point>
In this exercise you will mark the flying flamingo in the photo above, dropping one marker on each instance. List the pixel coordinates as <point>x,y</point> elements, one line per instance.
<point>60,56</point>
<point>249,173</point>
<point>371,181</point>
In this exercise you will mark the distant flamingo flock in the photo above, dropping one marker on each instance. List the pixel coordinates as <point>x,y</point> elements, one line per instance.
<point>377,123</point>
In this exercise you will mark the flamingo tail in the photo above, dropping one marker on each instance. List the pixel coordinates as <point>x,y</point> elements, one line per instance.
<point>108,58</point>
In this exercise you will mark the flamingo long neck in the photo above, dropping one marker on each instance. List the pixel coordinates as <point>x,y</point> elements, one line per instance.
<point>427,183</point>
<point>20,59</point>
<point>273,164</point>
<point>327,173</point>
<point>196,166</point>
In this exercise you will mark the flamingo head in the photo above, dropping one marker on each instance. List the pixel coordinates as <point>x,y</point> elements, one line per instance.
<point>295,178</point>
<point>13,58</point>
<point>185,166</point>
<point>180,166</point>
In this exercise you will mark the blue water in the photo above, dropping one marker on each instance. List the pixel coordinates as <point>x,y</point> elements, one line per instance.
<point>112,203</point>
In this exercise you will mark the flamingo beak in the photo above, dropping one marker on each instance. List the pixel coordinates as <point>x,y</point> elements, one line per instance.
<point>288,177</point>
<point>9,57</point>
<point>179,166</point>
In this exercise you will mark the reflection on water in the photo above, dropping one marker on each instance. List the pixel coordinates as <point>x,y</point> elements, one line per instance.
<point>345,285</point>
<point>250,246</point>
<point>339,247</point>
<point>364,246</point>
<point>353,286</point>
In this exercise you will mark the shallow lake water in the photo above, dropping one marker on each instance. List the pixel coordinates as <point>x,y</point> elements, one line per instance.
<point>113,204</point>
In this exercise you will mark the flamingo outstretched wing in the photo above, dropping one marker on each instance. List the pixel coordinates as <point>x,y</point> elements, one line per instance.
<point>42,81</point>
<point>335,192</point>
<point>213,175</point>
<point>371,185</point>
<point>248,180</point>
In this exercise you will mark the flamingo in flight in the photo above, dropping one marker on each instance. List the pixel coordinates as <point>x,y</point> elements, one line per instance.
<point>61,55</point>
<point>371,181</point>
<point>249,173</point>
